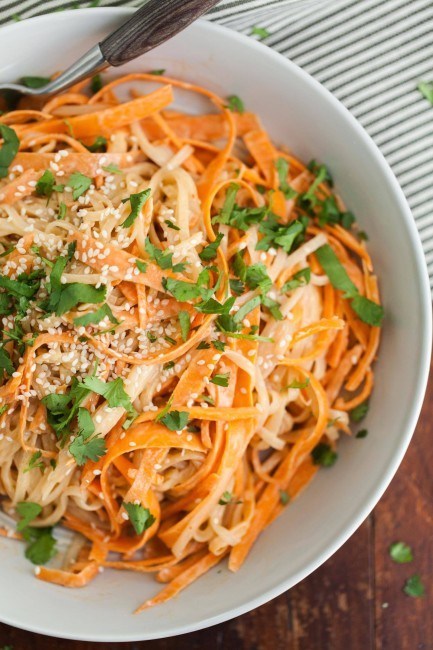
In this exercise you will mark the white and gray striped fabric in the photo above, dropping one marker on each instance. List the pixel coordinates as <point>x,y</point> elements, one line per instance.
<point>370,53</point>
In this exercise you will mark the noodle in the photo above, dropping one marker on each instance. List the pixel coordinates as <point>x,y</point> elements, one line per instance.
<point>188,317</point>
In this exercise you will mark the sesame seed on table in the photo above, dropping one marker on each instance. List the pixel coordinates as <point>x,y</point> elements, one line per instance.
<point>354,601</point>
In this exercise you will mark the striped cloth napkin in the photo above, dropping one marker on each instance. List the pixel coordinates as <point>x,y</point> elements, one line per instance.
<point>371,54</point>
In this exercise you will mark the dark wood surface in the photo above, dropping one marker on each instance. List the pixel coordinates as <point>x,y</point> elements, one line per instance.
<point>353,602</point>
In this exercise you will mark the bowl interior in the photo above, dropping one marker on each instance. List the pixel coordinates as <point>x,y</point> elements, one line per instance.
<point>300,114</point>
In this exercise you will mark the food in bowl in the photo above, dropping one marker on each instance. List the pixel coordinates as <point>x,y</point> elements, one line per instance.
<point>189,316</point>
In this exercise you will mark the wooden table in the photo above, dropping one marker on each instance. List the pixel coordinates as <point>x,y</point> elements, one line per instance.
<point>353,602</point>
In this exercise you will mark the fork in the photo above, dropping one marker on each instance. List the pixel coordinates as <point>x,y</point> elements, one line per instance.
<point>153,24</point>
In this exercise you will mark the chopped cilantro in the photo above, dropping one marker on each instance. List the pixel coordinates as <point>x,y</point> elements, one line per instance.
<point>35,82</point>
<point>210,252</point>
<point>164,259</point>
<point>299,384</point>
<point>247,308</point>
<point>261,32</point>
<point>141,266</point>
<point>228,499</point>
<point>219,345</point>
<point>27,511</point>
<point>203,345</point>
<point>137,202</point>
<point>96,317</point>
<point>46,185</point>
<point>284,497</point>
<point>414,587</point>
<point>362,433</point>
<point>40,542</point>
<point>299,279</point>
<point>96,84</point>
<point>99,145</point>
<point>322,454</point>
<point>158,72</point>
<point>426,90</point>
<point>212,306</point>
<point>84,447</point>
<point>367,310</point>
<point>140,518</point>
<point>35,462</point>
<point>280,235</point>
<point>62,210</point>
<point>236,286</point>
<point>112,168</point>
<point>360,411</point>
<point>175,420</point>
<point>185,324</point>
<point>235,104</point>
<point>221,379</point>
<point>401,553</point>
<point>9,148</point>
<point>171,225</point>
<point>79,184</point>
<point>114,392</point>
<point>282,167</point>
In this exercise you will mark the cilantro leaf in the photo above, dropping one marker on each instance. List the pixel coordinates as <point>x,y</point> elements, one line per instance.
<point>175,420</point>
<point>75,293</point>
<point>62,408</point>
<point>140,518</point>
<point>362,433</point>
<point>360,411</point>
<point>141,266</point>
<point>228,499</point>
<point>9,148</point>
<point>414,587</point>
<point>367,310</point>
<point>284,497</point>
<point>322,454</point>
<point>401,552</point>
<point>228,205</point>
<point>426,90</point>
<point>182,291</point>
<point>35,462</point>
<point>99,144</point>
<point>96,83</point>
<point>62,210</point>
<point>113,391</point>
<point>83,450</point>
<point>235,104</point>
<point>329,212</point>
<point>137,202</point>
<point>299,384</point>
<point>210,252</point>
<point>212,306</point>
<point>203,345</point>
<point>6,364</point>
<point>42,547</point>
<point>34,82</point>
<point>28,511</point>
<point>246,308</point>
<point>46,184</point>
<point>171,225</point>
<point>221,379</point>
<point>185,324</point>
<point>280,235</point>
<point>236,286</point>
<point>158,72</point>
<point>261,32</point>
<point>282,167</point>
<point>96,317</point>
<point>299,279</point>
<point>112,168</point>
<point>79,184</point>
<point>164,259</point>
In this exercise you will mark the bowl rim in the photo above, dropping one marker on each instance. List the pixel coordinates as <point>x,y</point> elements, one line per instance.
<point>425,326</point>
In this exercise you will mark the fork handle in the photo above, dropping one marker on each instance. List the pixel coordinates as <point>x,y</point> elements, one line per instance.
<point>154,23</point>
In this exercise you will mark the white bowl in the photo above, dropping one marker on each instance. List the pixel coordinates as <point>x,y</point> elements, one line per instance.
<point>301,114</point>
